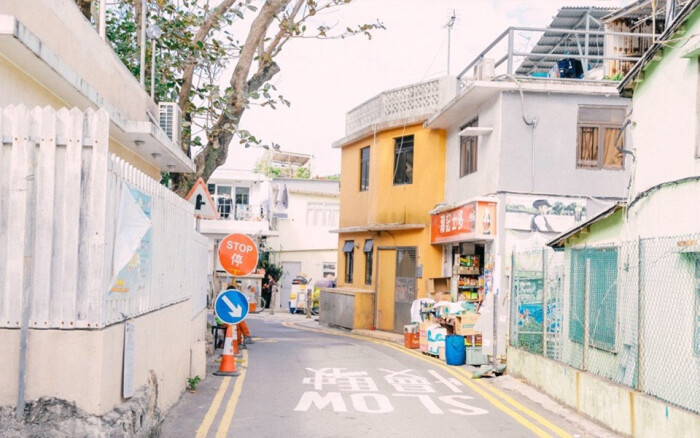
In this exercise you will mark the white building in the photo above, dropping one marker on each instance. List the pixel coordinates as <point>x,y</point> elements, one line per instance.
<point>304,243</point>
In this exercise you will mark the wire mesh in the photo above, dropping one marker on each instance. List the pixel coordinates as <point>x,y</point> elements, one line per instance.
<point>628,312</point>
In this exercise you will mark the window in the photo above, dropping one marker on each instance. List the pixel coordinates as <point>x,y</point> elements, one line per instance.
<point>364,169</point>
<point>602,302</point>
<point>328,269</point>
<point>467,151</point>
<point>349,250</point>
<point>322,215</point>
<point>368,261</point>
<point>224,202</point>
<point>242,195</point>
<point>598,129</point>
<point>403,160</point>
<point>211,188</point>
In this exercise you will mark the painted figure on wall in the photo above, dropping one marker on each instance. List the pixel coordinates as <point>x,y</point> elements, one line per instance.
<point>539,221</point>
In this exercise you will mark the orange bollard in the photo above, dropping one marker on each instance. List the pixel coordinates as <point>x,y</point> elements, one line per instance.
<point>228,363</point>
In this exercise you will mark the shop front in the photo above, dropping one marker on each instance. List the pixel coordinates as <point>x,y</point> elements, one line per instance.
<point>467,234</point>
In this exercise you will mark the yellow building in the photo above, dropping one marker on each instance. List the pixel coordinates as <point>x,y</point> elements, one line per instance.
<point>392,175</point>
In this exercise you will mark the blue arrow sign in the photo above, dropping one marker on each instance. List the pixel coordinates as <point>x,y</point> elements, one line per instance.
<point>231,306</point>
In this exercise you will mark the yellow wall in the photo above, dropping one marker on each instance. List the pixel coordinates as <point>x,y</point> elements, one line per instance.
<point>385,203</point>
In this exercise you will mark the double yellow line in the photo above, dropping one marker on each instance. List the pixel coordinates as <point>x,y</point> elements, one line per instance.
<point>520,413</point>
<point>225,422</point>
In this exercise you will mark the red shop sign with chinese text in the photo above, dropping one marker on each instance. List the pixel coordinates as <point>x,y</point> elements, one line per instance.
<point>468,221</point>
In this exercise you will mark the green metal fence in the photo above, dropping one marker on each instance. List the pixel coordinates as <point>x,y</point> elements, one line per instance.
<point>628,312</point>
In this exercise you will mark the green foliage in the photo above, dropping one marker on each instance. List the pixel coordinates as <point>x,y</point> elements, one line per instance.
<point>211,106</point>
<point>192,383</point>
<point>265,262</point>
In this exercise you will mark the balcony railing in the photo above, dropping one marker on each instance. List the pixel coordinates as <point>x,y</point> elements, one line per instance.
<point>604,55</point>
<point>241,212</point>
<point>401,104</point>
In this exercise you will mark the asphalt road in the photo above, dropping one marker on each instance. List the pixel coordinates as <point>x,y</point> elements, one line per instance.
<point>299,380</point>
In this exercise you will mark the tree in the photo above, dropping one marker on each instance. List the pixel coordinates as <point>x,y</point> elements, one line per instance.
<point>198,46</point>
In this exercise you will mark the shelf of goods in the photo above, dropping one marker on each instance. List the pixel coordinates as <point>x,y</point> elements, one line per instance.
<point>471,282</point>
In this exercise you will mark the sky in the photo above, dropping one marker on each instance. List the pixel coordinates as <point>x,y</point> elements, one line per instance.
<point>324,79</point>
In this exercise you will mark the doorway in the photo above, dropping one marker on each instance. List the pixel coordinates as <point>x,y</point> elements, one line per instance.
<point>396,289</point>
<point>385,289</point>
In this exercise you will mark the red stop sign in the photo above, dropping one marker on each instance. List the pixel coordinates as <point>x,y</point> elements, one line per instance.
<point>238,254</point>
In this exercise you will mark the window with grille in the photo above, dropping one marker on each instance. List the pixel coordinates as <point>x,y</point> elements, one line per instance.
<point>364,169</point>
<point>403,160</point>
<point>349,250</point>
<point>369,251</point>
<point>599,137</point>
<point>602,300</point>
<point>467,151</point>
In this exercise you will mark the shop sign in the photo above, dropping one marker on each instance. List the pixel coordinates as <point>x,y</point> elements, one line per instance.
<point>469,221</point>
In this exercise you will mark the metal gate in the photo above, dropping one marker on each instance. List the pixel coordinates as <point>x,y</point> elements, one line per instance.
<point>405,288</point>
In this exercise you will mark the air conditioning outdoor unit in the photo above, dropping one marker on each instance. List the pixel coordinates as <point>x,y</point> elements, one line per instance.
<point>170,120</point>
<point>485,70</point>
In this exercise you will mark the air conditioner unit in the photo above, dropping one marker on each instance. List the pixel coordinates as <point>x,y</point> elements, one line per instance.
<point>170,120</point>
<point>485,70</point>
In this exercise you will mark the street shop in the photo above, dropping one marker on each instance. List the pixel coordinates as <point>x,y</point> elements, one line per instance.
<point>449,316</point>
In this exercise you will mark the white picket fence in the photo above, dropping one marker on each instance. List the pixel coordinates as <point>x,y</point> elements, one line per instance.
<point>59,195</point>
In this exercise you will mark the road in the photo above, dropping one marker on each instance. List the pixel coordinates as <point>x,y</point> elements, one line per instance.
<point>300,380</point>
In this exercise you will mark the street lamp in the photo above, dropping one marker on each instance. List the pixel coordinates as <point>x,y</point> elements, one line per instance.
<point>153,32</point>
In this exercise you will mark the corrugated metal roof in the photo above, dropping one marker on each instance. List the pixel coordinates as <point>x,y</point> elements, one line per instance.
<point>558,44</point>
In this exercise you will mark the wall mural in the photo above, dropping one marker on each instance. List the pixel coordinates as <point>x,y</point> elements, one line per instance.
<point>544,214</point>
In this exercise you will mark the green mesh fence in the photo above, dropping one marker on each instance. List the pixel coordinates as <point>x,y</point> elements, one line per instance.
<point>628,312</point>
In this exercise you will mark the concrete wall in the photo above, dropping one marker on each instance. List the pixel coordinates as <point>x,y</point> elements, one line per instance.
<point>624,410</point>
<point>665,117</point>
<point>78,44</point>
<point>505,156</point>
<point>554,141</point>
<point>85,366</point>
<point>311,261</point>
<point>485,180</point>
<point>19,87</point>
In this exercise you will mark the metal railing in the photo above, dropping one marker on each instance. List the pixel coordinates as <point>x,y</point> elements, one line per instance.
<point>505,63</point>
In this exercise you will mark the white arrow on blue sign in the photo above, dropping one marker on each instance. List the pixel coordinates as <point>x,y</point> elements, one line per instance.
<point>231,306</point>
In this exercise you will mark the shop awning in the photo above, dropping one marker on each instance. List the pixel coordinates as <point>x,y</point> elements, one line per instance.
<point>368,246</point>
<point>349,246</point>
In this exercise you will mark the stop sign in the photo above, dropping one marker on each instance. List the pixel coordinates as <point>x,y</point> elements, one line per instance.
<point>238,254</point>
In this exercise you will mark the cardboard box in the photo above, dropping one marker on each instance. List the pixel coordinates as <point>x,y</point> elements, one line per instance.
<point>437,285</point>
<point>464,324</point>
<point>464,270</point>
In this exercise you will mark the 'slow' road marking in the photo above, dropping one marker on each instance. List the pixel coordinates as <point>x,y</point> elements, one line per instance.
<point>465,377</point>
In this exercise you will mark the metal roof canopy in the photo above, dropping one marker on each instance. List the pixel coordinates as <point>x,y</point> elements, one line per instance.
<point>290,158</point>
<point>559,45</point>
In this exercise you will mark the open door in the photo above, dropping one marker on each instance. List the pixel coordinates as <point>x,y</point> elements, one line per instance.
<point>385,289</point>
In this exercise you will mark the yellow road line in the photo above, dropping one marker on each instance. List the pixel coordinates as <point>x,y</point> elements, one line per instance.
<point>213,409</point>
<point>465,377</point>
<point>225,423</point>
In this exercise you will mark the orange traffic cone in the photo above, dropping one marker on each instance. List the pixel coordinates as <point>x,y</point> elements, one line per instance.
<point>228,363</point>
